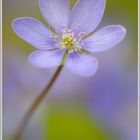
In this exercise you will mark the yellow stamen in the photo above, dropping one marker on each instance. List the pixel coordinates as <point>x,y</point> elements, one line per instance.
<point>68,42</point>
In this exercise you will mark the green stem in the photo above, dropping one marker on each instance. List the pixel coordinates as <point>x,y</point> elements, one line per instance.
<point>83,52</point>
<point>39,100</point>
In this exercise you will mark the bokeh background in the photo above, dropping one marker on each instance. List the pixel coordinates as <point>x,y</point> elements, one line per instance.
<point>103,107</point>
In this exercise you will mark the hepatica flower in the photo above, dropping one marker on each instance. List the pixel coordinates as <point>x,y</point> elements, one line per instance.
<point>70,42</point>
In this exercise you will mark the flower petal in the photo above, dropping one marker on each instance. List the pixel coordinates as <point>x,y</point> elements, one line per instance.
<point>56,12</point>
<point>34,32</point>
<point>46,59</point>
<point>105,38</point>
<point>87,14</point>
<point>82,64</point>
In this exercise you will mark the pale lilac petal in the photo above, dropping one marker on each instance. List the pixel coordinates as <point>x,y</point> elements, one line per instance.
<point>81,64</point>
<point>34,32</point>
<point>105,38</point>
<point>88,14</point>
<point>46,59</point>
<point>56,12</point>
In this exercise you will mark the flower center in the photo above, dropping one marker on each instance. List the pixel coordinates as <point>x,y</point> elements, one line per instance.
<point>69,42</point>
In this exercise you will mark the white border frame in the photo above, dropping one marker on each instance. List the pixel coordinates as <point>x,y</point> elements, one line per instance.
<point>138,71</point>
<point>1,69</point>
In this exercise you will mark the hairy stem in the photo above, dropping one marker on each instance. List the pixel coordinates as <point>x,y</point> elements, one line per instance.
<point>39,100</point>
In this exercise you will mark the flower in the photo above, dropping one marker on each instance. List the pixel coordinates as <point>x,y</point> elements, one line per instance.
<point>72,29</point>
<point>113,100</point>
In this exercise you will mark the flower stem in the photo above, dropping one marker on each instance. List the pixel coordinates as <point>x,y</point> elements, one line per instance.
<point>38,101</point>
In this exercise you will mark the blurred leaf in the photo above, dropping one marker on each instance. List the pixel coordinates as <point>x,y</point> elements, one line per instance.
<point>72,125</point>
<point>72,2</point>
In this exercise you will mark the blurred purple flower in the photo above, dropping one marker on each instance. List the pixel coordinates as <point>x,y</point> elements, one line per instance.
<point>114,102</point>
<point>71,34</point>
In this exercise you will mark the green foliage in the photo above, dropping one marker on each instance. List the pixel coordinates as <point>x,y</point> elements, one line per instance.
<point>72,125</point>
